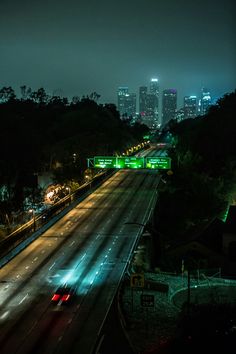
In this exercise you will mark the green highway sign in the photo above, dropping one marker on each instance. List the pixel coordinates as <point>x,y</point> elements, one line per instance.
<point>130,162</point>
<point>162,163</point>
<point>105,161</point>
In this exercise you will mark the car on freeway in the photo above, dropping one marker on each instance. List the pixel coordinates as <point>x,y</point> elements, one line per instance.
<point>63,294</point>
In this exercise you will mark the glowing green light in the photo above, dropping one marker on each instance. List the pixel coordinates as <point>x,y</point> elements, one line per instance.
<point>224,218</point>
<point>162,163</point>
<point>105,161</point>
<point>132,162</point>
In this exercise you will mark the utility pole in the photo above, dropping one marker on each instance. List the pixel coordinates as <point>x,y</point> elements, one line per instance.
<point>188,298</point>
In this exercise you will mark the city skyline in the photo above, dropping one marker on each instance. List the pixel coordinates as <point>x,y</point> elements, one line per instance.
<point>180,100</point>
<point>155,107</point>
<point>75,48</point>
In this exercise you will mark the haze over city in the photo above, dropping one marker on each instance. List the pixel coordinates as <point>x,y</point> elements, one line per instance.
<point>117,177</point>
<point>77,47</point>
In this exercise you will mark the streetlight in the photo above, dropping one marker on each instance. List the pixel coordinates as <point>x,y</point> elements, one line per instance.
<point>33,216</point>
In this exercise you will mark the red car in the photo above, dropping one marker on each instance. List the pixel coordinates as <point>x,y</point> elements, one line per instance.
<point>63,294</point>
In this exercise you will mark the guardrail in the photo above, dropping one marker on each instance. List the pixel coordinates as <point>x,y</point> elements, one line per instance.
<point>15,242</point>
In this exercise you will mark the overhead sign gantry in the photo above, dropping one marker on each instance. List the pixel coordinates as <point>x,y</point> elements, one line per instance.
<point>163,163</point>
<point>130,162</point>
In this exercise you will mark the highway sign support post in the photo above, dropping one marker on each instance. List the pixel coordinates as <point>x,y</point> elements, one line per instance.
<point>136,281</point>
<point>147,301</point>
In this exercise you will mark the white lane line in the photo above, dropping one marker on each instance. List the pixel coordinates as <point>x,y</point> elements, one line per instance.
<point>43,251</point>
<point>4,315</point>
<point>72,243</point>
<point>52,265</point>
<point>27,267</point>
<point>35,259</point>
<point>23,299</point>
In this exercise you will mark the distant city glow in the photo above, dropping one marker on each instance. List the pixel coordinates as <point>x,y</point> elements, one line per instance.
<point>206,98</point>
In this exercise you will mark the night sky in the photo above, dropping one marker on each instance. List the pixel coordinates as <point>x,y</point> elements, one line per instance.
<point>75,47</point>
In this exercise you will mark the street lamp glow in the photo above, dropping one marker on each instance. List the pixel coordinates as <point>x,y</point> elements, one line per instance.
<point>33,217</point>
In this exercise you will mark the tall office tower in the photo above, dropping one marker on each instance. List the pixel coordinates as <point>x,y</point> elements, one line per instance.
<point>190,107</point>
<point>126,102</point>
<point>205,101</point>
<point>143,91</point>
<point>121,96</point>
<point>130,105</point>
<point>154,101</point>
<point>145,112</point>
<point>148,104</point>
<point>169,105</point>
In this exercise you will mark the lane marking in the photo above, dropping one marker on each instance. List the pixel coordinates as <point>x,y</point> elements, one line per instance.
<point>4,315</point>
<point>23,299</point>
<point>52,265</point>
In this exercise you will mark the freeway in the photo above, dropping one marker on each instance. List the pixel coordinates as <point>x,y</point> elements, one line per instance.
<point>89,248</point>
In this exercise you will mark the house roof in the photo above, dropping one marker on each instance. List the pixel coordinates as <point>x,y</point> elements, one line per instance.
<point>210,237</point>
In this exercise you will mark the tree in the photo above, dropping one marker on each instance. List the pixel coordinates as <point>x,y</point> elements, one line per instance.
<point>204,166</point>
<point>7,94</point>
<point>75,100</point>
<point>40,96</point>
<point>25,92</point>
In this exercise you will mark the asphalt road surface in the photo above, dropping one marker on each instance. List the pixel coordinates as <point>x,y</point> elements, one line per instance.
<point>89,248</point>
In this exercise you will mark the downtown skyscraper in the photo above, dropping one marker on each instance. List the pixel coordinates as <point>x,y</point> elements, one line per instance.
<point>169,105</point>
<point>190,107</point>
<point>126,102</point>
<point>149,104</point>
<point>205,101</point>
